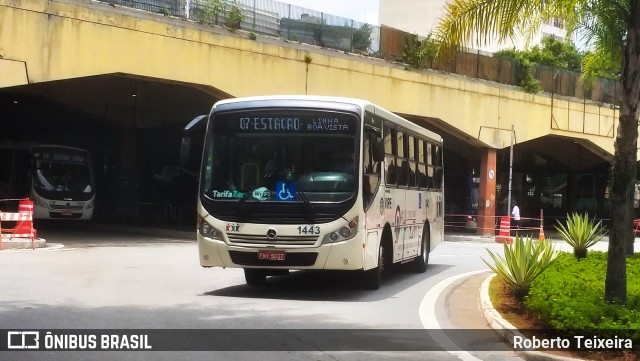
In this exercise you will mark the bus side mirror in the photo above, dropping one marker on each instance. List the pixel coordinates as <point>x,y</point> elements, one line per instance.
<point>378,154</point>
<point>185,151</point>
<point>196,123</point>
<point>192,137</point>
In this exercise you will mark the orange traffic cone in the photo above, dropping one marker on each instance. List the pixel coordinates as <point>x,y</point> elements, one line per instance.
<point>24,228</point>
<point>505,230</point>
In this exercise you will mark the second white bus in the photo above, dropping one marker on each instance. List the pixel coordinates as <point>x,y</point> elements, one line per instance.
<point>58,179</point>
<point>326,183</point>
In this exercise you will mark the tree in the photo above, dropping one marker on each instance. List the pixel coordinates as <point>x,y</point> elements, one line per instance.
<point>553,52</point>
<point>362,38</point>
<point>612,28</point>
<point>212,9</point>
<point>563,54</point>
<point>234,21</point>
<point>416,51</point>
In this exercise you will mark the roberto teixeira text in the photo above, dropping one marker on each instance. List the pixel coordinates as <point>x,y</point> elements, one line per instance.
<point>574,342</point>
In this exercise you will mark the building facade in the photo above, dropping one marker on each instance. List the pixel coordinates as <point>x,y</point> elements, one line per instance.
<point>422,17</point>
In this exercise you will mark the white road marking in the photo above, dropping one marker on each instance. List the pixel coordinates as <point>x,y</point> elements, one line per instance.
<point>430,322</point>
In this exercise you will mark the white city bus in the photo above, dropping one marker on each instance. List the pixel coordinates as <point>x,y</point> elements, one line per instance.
<point>326,183</point>
<point>58,179</point>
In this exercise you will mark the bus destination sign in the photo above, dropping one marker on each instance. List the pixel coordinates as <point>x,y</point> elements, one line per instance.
<point>53,156</point>
<point>312,123</point>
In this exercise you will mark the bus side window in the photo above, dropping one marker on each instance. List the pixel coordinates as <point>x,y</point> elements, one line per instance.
<point>390,151</point>
<point>437,162</point>
<point>403,166</point>
<point>430,175</point>
<point>422,168</point>
<point>412,162</point>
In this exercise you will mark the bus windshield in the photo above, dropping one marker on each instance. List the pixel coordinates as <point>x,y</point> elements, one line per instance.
<point>62,173</point>
<point>281,156</point>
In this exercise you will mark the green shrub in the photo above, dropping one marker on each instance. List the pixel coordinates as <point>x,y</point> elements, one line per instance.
<point>308,59</point>
<point>528,80</point>
<point>236,17</point>
<point>416,52</point>
<point>569,297</point>
<point>523,261</point>
<point>361,39</point>
<point>581,233</point>
<point>212,9</point>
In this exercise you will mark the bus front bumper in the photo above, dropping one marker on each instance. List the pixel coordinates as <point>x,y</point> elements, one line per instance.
<point>345,255</point>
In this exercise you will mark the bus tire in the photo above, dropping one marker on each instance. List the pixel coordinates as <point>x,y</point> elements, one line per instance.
<point>373,278</point>
<point>255,277</point>
<point>420,263</point>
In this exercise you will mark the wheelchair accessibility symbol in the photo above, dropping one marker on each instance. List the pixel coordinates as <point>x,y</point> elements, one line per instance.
<point>286,191</point>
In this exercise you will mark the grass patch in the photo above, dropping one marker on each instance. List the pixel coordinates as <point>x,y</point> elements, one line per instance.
<point>569,297</point>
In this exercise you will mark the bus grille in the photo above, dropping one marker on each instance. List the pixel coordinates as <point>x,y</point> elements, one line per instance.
<point>63,215</point>
<point>291,259</point>
<point>262,240</point>
<point>65,207</point>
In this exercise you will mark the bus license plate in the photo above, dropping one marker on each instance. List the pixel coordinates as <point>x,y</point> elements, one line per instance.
<point>271,255</point>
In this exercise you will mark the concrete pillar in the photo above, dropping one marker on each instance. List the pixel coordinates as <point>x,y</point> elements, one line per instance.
<point>571,191</point>
<point>487,193</point>
<point>128,154</point>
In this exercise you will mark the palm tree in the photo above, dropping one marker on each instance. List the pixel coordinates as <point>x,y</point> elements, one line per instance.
<point>612,28</point>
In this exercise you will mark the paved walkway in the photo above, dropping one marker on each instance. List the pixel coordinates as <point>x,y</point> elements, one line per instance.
<point>468,308</point>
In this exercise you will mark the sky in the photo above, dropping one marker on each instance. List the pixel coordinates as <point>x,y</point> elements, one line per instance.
<point>365,11</point>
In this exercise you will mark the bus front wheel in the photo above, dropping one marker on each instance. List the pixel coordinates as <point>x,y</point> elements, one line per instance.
<point>373,277</point>
<point>255,277</point>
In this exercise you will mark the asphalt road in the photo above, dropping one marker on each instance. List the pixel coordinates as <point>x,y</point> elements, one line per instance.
<point>99,280</point>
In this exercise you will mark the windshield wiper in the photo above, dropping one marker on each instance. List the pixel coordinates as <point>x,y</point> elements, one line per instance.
<point>306,201</point>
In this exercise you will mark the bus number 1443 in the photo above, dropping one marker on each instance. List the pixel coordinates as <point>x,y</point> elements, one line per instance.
<point>309,230</point>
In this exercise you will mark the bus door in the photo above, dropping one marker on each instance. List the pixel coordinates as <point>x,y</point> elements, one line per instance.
<point>396,171</point>
<point>411,214</point>
<point>409,198</point>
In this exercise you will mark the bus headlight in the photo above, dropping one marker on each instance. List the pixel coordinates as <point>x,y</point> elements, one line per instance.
<point>343,233</point>
<point>39,202</point>
<point>90,204</point>
<point>208,230</point>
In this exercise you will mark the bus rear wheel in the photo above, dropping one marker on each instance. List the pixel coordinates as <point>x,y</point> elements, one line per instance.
<point>373,278</point>
<point>255,277</point>
<point>420,263</point>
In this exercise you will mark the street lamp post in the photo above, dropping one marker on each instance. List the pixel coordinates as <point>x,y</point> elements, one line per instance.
<point>510,172</point>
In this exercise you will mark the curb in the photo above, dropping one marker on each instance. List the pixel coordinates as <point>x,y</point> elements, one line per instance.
<point>23,243</point>
<point>48,247</point>
<point>507,331</point>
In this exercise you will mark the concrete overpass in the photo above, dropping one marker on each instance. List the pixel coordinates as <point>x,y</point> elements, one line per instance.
<point>138,70</point>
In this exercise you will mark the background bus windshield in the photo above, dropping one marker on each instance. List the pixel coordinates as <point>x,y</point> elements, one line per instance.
<point>62,173</point>
<point>282,155</point>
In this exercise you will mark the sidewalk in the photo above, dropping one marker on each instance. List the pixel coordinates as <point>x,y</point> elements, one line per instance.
<point>468,307</point>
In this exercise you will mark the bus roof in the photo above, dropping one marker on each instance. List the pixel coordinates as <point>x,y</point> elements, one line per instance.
<point>258,101</point>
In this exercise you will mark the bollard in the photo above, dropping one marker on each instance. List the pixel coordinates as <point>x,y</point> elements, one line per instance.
<point>505,230</point>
